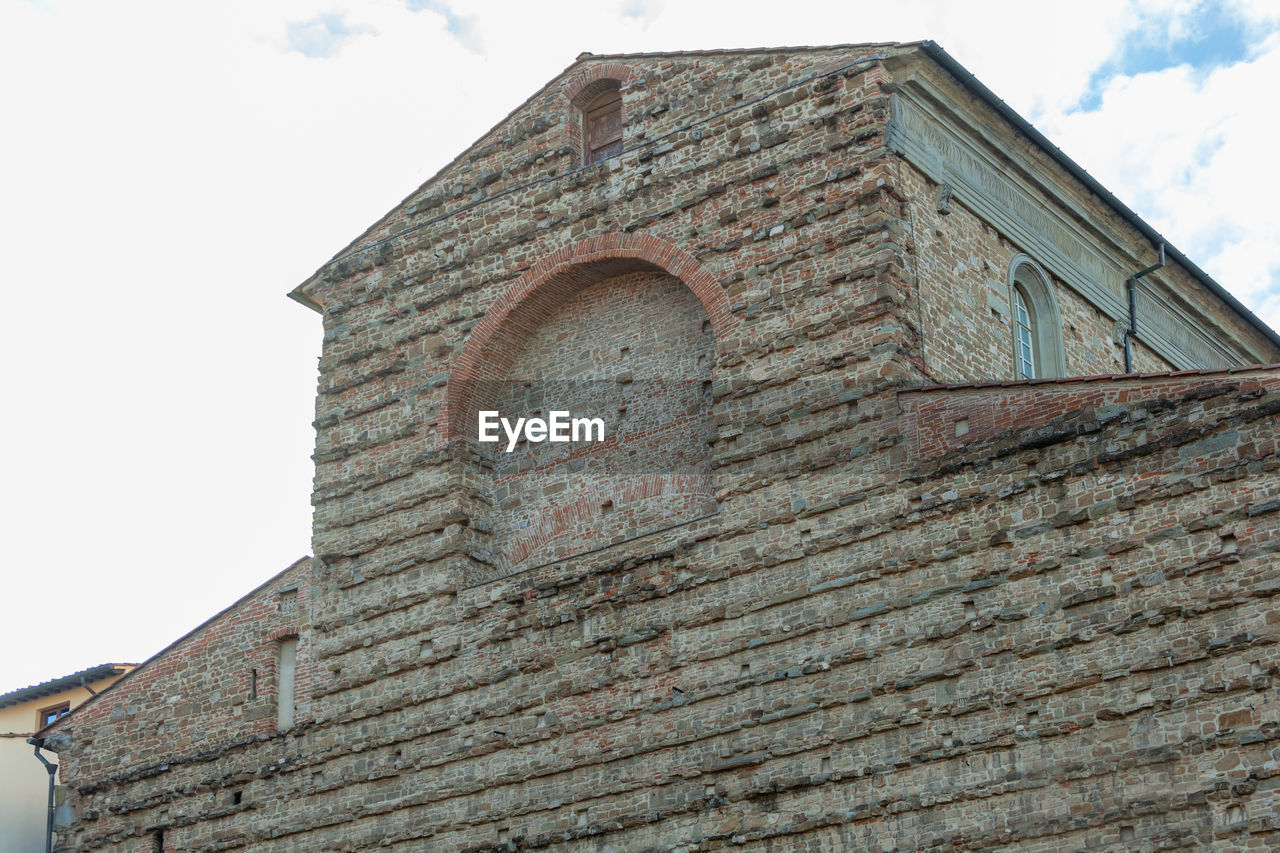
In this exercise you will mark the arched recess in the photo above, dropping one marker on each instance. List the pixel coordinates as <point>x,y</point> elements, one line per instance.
<point>1030,285</point>
<point>487,356</point>
<point>623,328</point>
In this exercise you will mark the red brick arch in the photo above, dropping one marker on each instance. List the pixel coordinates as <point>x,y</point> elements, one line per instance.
<point>497,339</point>
<point>584,85</point>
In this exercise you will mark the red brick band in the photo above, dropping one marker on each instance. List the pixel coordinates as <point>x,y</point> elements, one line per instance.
<point>584,507</point>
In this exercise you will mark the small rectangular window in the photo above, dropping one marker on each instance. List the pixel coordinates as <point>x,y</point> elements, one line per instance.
<point>52,714</point>
<point>602,127</point>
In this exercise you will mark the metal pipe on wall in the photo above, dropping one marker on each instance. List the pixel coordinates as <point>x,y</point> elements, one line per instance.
<point>1132,285</point>
<point>53,769</point>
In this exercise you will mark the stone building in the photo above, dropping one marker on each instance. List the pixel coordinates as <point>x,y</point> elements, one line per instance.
<point>933,510</point>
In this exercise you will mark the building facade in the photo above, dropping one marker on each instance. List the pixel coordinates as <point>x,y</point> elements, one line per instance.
<point>24,781</point>
<point>937,503</point>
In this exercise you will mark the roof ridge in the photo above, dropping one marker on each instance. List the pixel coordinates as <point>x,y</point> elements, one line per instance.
<point>738,51</point>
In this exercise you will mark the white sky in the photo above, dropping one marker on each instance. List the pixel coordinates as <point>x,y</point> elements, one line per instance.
<point>169,170</point>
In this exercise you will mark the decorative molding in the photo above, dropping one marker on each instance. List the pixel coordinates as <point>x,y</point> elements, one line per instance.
<point>945,150</point>
<point>1159,320</point>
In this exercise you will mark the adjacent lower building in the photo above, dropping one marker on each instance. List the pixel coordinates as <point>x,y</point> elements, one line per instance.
<point>936,505</point>
<point>24,781</point>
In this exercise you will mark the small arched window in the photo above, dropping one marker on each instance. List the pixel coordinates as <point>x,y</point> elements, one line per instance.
<point>602,126</point>
<point>1037,332</point>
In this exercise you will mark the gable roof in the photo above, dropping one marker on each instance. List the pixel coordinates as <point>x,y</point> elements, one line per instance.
<point>930,49</point>
<point>299,295</point>
<point>160,654</point>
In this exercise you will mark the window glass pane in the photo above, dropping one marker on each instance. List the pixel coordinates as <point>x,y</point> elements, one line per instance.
<point>1024,335</point>
<point>50,715</point>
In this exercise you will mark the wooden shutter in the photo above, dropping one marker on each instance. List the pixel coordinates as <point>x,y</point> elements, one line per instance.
<point>602,127</point>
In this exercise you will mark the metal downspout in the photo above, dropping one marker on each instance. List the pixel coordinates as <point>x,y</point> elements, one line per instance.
<point>1132,285</point>
<point>52,768</point>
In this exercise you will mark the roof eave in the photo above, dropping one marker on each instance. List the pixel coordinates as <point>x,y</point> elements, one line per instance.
<point>65,682</point>
<point>299,294</point>
<point>974,85</point>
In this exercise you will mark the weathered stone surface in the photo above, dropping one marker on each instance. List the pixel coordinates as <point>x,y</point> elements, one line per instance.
<point>847,601</point>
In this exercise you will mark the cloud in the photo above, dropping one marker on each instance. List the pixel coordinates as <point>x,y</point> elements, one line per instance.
<point>1202,36</point>
<point>465,28</point>
<point>322,36</point>
<point>1187,148</point>
<point>641,10</point>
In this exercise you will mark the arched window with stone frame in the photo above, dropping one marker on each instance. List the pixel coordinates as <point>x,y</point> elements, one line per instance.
<point>1037,325</point>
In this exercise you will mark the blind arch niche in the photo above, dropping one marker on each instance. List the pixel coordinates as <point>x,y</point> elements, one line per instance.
<point>621,339</point>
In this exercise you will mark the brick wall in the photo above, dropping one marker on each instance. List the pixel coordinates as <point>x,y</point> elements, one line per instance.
<point>651,391</point>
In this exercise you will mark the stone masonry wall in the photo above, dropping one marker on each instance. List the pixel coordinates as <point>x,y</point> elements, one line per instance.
<point>636,351</point>
<point>963,266</point>
<point>949,643</point>
<point>183,739</point>
<point>779,196</point>
<point>1023,615</point>
<point>773,198</point>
